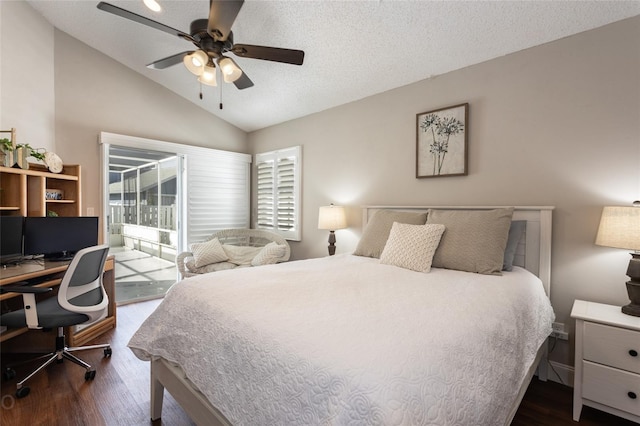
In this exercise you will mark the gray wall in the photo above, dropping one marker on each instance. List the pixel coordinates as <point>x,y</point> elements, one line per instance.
<point>557,124</point>
<point>27,100</point>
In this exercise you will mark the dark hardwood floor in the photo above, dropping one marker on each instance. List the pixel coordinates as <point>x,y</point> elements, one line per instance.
<point>119,395</point>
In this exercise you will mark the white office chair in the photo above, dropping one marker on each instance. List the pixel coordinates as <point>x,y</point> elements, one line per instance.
<point>81,299</point>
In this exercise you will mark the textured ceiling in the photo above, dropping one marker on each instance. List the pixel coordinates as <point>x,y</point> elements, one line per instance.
<point>354,49</point>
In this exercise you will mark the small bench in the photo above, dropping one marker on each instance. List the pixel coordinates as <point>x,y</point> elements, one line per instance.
<point>242,248</point>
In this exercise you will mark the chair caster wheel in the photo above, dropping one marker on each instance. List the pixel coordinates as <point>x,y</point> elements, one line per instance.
<point>22,392</point>
<point>8,374</point>
<point>107,353</point>
<point>90,375</point>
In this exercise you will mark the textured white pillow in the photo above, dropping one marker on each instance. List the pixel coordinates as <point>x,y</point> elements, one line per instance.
<point>412,246</point>
<point>269,254</point>
<point>208,252</point>
<point>475,240</point>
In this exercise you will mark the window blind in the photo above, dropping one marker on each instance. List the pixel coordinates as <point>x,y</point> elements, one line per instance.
<point>278,192</point>
<point>217,193</point>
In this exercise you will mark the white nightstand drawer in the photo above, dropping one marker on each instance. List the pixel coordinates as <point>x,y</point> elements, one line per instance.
<point>611,387</point>
<point>613,346</point>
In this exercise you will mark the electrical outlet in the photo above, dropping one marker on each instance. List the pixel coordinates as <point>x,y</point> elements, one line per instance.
<point>560,335</point>
<point>558,331</point>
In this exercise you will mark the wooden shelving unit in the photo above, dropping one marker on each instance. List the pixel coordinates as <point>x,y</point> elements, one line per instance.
<point>23,192</point>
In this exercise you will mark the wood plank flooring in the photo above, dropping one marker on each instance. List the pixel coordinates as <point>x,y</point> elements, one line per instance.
<point>119,395</point>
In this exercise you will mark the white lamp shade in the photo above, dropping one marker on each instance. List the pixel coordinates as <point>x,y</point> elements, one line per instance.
<point>230,70</point>
<point>208,76</point>
<point>620,228</point>
<point>195,62</point>
<point>332,218</point>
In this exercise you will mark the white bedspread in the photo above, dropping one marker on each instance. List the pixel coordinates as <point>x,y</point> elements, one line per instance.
<point>344,340</point>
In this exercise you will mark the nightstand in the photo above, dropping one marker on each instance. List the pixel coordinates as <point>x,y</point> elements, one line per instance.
<point>607,371</point>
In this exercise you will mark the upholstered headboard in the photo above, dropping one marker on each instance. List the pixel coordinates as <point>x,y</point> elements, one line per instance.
<point>534,250</point>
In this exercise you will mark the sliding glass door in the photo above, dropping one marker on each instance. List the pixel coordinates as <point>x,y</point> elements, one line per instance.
<point>142,220</point>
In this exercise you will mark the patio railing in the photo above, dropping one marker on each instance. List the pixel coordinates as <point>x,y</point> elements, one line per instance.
<point>154,234</point>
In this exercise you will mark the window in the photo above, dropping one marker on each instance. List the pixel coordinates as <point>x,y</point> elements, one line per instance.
<point>212,186</point>
<point>278,195</point>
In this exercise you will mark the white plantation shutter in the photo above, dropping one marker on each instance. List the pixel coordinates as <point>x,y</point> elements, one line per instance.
<point>266,205</point>
<point>278,195</point>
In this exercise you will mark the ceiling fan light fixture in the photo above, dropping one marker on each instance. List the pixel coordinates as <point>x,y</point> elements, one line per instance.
<point>208,75</point>
<point>195,62</point>
<point>153,5</point>
<point>230,70</point>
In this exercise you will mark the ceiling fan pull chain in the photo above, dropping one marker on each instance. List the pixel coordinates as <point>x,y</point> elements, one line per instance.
<point>221,84</point>
<point>200,90</point>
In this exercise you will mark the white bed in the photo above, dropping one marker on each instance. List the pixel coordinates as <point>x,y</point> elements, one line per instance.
<point>348,340</point>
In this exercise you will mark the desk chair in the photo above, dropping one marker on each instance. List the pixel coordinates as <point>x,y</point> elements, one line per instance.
<point>81,299</point>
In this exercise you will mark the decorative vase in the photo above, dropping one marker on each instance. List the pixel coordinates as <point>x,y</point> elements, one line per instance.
<point>20,155</point>
<point>6,157</point>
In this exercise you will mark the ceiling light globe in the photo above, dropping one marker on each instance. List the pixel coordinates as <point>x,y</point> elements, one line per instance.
<point>153,5</point>
<point>208,76</point>
<point>230,70</point>
<point>195,62</point>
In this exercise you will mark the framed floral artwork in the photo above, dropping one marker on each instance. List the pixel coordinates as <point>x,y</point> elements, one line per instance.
<point>441,142</point>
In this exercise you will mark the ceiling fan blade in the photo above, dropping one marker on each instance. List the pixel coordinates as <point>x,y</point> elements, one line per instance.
<point>276,54</point>
<point>169,61</point>
<point>142,20</point>
<point>222,14</point>
<point>243,82</point>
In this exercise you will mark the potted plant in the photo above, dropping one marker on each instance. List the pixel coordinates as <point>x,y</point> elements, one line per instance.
<point>24,151</point>
<point>6,152</point>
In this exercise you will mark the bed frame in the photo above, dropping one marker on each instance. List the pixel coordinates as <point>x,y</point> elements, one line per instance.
<point>533,254</point>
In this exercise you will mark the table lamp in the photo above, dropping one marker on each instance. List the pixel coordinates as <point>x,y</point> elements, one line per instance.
<point>620,228</point>
<point>332,218</point>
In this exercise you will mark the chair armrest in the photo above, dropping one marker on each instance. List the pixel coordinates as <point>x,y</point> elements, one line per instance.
<point>28,300</point>
<point>180,262</point>
<point>24,289</point>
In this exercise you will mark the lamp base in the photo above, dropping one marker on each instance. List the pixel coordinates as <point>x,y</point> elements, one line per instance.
<point>332,243</point>
<point>633,286</point>
<point>633,308</point>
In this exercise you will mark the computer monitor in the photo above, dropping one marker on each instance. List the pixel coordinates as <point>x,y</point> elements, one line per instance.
<point>10,239</point>
<point>59,237</point>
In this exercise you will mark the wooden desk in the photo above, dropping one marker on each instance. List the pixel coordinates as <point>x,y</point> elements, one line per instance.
<point>49,274</point>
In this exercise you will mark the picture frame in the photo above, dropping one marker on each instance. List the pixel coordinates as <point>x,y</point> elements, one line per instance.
<point>442,142</point>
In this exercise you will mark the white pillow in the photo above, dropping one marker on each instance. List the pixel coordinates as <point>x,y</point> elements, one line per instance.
<point>412,246</point>
<point>241,255</point>
<point>269,254</point>
<point>208,252</point>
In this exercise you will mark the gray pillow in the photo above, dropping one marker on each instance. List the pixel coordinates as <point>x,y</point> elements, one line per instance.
<point>377,231</point>
<point>473,240</point>
<point>515,234</point>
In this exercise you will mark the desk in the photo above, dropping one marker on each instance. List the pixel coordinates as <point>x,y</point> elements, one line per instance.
<point>49,274</point>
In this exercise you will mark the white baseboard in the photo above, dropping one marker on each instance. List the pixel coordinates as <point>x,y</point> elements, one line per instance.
<point>561,373</point>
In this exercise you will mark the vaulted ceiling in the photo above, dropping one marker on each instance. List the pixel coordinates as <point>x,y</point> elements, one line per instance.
<point>353,49</point>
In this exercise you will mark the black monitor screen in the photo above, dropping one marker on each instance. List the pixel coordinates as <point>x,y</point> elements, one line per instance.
<point>59,237</point>
<point>10,238</point>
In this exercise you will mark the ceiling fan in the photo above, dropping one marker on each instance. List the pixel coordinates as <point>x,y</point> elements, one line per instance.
<point>213,38</point>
